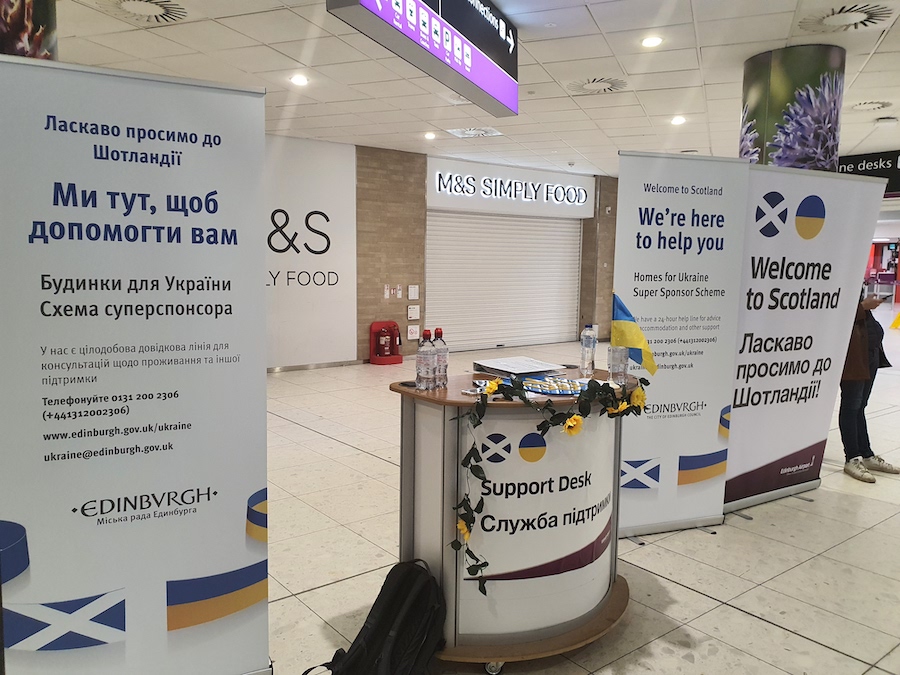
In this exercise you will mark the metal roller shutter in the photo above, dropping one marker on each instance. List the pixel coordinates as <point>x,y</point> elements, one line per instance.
<point>502,280</point>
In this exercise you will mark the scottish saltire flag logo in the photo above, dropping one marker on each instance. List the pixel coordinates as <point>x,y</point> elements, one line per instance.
<point>258,516</point>
<point>194,601</point>
<point>496,448</point>
<point>639,474</point>
<point>725,422</point>
<point>697,468</point>
<point>771,214</point>
<point>72,624</point>
<point>624,332</point>
<point>532,447</point>
<point>810,218</point>
<point>13,550</point>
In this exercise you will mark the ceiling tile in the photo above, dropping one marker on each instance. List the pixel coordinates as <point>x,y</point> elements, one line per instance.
<point>554,23</point>
<point>395,87</point>
<point>679,36</point>
<point>616,112</point>
<point>141,44</point>
<point>711,10</point>
<point>670,80</point>
<point>216,9</point>
<point>633,14</point>
<point>657,62</point>
<point>363,106</point>
<point>367,46</point>
<point>545,90</point>
<point>293,96</point>
<point>746,29</point>
<point>533,74</point>
<point>557,127</point>
<point>256,59</point>
<point>401,67</point>
<point>723,75</point>
<point>320,16</point>
<point>359,72</point>
<point>725,90</point>
<point>726,110</point>
<point>560,116</point>
<point>584,68</point>
<point>201,67</point>
<point>417,101</point>
<point>734,55</point>
<point>73,19</point>
<point>607,100</point>
<point>585,46</point>
<point>450,112</point>
<point>85,52</point>
<point>309,110</point>
<point>142,67</point>
<point>281,25</point>
<point>204,36</point>
<point>673,101</point>
<point>546,104</point>
<point>623,123</point>
<point>855,42</point>
<point>320,51</point>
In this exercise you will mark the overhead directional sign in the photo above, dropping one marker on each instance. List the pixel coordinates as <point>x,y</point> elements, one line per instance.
<point>470,46</point>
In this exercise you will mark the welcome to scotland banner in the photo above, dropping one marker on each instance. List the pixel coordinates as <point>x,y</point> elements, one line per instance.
<point>679,246</point>
<point>807,238</point>
<point>132,357</point>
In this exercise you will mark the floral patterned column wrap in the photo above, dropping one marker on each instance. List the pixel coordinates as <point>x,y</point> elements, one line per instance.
<point>792,107</point>
<point>28,28</point>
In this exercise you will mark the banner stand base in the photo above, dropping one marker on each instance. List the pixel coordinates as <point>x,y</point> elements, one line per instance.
<point>656,528</point>
<point>747,502</point>
<point>265,671</point>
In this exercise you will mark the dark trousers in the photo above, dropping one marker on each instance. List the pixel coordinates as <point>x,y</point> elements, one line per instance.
<point>852,413</point>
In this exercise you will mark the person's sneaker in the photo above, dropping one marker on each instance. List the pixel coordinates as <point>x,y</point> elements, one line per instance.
<point>856,469</point>
<point>876,463</point>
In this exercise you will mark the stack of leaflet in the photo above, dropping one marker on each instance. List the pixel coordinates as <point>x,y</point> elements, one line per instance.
<point>517,366</point>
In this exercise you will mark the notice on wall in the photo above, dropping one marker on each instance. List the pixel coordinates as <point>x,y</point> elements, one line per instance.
<point>546,527</point>
<point>132,488</point>
<point>310,232</point>
<point>807,239</point>
<point>679,241</point>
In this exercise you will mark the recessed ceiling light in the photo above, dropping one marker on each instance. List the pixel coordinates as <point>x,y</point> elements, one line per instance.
<point>678,119</point>
<point>651,42</point>
<point>872,105</point>
<point>300,80</point>
<point>429,135</point>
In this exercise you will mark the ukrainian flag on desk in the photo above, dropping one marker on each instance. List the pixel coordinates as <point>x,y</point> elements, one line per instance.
<point>626,333</point>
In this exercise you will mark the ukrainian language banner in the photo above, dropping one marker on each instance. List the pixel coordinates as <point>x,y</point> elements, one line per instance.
<point>132,488</point>
<point>807,239</point>
<point>679,243</point>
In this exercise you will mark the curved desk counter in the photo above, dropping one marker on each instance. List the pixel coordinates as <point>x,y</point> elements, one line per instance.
<point>548,528</point>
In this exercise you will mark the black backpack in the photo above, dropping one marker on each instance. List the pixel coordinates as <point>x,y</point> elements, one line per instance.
<point>404,629</point>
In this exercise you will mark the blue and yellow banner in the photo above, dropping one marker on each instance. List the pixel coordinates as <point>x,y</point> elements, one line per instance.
<point>13,550</point>
<point>697,468</point>
<point>258,516</point>
<point>624,332</point>
<point>195,601</point>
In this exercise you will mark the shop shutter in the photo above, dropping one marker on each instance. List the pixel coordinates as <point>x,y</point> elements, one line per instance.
<point>501,280</point>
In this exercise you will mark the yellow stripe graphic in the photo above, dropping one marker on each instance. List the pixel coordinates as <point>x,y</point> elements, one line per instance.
<point>194,613</point>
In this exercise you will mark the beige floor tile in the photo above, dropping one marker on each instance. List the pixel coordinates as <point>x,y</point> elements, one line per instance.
<point>343,411</point>
<point>851,509</point>
<point>273,439</point>
<point>626,545</point>
<point>294,454</point>
<point>556,665</point>
<point>273,421</point>
<point>363,441</point>
<point>371,420</point>
<point>687,572</point>
<point>328,447</point>
<point>364,499</point>
<point>667,597</point>
<point>371,465</point>
<point>891,662</point>
<point>848,591</point>
<point>345,605</point>
<point>826,628</point>
<point>637,627</point>
<point>804,530</point>
<point>774,645</point>
<point>882,489</point>
<point>310,398</point>
<point>277,591</point>
<point>297,433</point>
<point>330,428</point>
<point>274,493</point>
<point>276,388</point>
<point>298,638</point>
<point>687,651</point>
<point>873,551</point>
<point>297,415</point>
<point>310,561</point>
<point>383,531</point>
<point>390,434</point>
<point>314,477</point>
<point>289,518</point>
<point>390,453</point>
<point>275,405</point>
<point>737,552</point>
<point>889,526</point>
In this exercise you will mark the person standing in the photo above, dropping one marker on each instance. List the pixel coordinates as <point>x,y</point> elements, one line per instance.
<point>865,356</point>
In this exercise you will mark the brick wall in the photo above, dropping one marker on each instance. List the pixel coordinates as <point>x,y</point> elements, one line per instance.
<point>390,238</point>
<point>598,250</point>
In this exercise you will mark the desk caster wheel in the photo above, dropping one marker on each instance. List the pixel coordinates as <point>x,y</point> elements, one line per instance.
<point>494,667</point>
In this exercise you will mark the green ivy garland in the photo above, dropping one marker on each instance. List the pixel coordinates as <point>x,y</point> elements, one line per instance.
<point>614,402</point>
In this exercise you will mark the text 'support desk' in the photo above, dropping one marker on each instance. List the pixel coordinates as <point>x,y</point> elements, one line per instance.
<point>548,529</point>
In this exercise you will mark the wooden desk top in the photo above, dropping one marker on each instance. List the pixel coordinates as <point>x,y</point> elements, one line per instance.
<point>452,396</point>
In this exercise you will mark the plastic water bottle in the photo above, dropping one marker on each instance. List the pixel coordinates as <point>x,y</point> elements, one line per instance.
<point>441,352</point>
<point>425,363</point>
<point>588,348</point>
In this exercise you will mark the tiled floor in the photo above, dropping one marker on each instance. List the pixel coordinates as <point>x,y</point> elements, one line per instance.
<point>810,585</point>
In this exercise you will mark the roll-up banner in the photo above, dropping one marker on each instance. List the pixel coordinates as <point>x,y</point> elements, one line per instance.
<point>310,232</point>
<point>132,489</point>
<point>807,240</point>
<point>679,247</point>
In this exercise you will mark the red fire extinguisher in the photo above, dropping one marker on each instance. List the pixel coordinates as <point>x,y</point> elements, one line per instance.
<point>383,346</point>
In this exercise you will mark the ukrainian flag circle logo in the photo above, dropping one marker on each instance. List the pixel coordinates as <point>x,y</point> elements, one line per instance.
<point>533,447</point>
<point>496,448</point>
<point>810,217</point>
